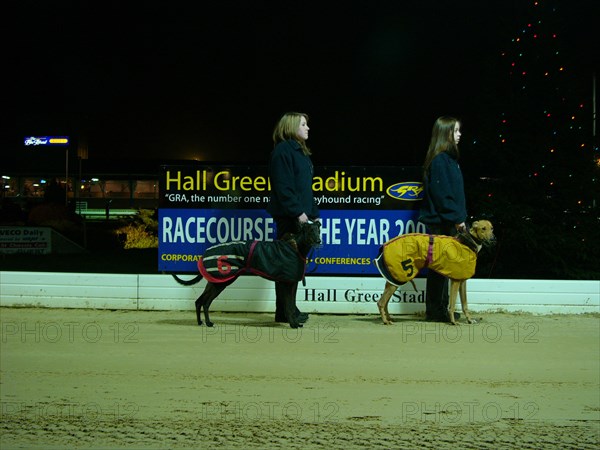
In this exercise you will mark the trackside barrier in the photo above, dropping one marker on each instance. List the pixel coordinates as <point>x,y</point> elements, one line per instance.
<point>327,295</point>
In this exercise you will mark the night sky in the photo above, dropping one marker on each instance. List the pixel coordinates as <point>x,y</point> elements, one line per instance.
<point>208,80</point>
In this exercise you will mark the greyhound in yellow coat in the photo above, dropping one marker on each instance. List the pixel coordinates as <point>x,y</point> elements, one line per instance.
<point>400,260</point>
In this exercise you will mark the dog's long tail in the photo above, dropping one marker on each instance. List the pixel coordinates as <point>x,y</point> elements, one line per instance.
<point>194,280</point>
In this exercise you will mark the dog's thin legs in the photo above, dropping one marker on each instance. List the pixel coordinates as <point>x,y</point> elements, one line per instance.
<point>211,291</point>
<point>463,301</point>
<point>382,304</point>
<point>454,288</point>
<point>199,303</point>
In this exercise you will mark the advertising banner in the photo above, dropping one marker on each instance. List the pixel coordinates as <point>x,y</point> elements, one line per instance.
<point>31,240</point>
<point>361,208</point>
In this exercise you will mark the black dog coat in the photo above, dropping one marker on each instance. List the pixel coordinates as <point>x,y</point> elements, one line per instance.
<point>277,261</point>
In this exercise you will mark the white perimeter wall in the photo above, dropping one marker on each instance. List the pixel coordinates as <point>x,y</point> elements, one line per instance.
<point>330,295</point>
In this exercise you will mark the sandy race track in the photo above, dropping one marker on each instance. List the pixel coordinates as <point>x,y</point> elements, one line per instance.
<point>137,379</point>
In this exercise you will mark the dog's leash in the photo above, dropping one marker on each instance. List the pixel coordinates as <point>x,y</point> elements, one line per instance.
<point>308,257</point>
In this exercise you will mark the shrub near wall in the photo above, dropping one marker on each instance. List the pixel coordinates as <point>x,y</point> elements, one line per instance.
<point>142,232</point>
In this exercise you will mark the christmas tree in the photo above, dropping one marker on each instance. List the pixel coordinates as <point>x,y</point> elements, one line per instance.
<point>542,187</point>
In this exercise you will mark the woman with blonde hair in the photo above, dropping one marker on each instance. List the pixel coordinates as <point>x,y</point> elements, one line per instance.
<point>291,202</point>
<point>443,208</point>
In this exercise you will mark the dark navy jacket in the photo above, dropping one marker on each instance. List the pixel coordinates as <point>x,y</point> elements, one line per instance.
<point>444,192</point>
<point>291,174</point>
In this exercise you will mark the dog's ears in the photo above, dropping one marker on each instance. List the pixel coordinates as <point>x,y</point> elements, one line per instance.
<point>481,225</point>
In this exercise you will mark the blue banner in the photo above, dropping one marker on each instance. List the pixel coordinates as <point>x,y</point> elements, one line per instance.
<point>361,208</point>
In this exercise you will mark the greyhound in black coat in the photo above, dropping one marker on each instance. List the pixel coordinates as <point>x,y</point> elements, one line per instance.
<point>282,260</point>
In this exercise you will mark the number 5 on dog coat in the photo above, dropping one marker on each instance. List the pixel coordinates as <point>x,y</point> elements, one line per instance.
<point>400,259</point>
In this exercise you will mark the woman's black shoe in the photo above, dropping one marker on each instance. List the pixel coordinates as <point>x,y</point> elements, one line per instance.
<point>446,318</point>
<point>432,318</point>
<point>302,318</point>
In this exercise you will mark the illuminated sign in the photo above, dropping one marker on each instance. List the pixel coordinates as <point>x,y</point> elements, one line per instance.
<point>360,209</point>
<point>46,140</point>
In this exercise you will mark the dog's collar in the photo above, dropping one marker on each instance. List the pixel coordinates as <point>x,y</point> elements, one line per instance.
<point>470,241</point>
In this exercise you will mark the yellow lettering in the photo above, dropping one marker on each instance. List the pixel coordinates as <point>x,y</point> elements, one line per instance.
<point>222,181</point>
<point>372,181</point>
<point>176,180</point>
<point>339,182</point>
<point>246,184</point>
<point>259,183</point>
<point>317,184</point>
<point>188,183</point>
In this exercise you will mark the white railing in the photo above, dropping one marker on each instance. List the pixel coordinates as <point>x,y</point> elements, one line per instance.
<point>330,295</point>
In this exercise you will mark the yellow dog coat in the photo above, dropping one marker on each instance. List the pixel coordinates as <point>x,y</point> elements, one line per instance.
<point>400,259</point>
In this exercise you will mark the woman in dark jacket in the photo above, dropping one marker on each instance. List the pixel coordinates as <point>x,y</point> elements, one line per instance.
<point>443,209</point>
<point>291,201</point>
